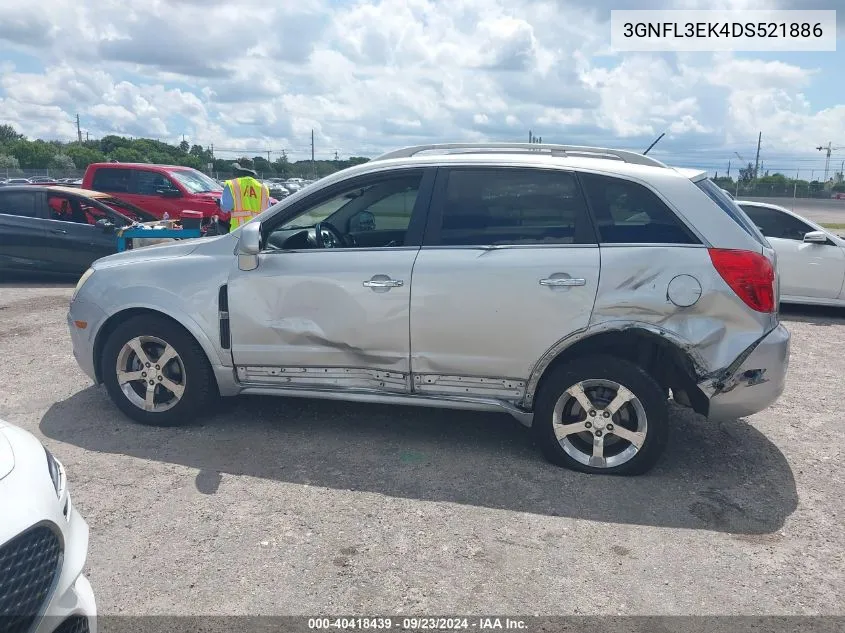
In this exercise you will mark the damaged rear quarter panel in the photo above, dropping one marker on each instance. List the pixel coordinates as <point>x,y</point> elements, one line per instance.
<point>633,290</point>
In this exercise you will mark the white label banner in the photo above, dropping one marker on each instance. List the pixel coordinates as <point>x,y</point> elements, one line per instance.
<point>728,30</point>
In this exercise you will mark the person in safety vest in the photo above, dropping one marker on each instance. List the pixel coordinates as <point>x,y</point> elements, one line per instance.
<point>244,196</point>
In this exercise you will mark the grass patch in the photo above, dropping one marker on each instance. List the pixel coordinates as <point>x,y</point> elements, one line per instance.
<point>832,225</point>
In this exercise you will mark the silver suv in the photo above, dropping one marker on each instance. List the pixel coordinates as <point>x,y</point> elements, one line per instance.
<point>578,289</point>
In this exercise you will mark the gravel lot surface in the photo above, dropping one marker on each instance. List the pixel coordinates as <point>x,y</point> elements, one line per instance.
<point>278,506</point>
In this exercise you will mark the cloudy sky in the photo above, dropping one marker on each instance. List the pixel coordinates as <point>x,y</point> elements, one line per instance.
<point>370,75</point>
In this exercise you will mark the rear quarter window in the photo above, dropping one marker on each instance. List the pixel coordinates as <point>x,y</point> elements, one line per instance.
<point>733,210</point>
<point>629,213</point>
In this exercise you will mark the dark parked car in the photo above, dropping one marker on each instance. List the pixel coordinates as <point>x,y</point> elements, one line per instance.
<point>60,229</point>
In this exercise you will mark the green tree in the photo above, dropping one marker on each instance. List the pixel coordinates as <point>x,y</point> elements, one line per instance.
<point>82,155</point>
<point>62,162</point>
<point>184,146</point>
<point>33,154</point>
<point>8,162</point>
<point>128,155</point>
<point>9,135</point>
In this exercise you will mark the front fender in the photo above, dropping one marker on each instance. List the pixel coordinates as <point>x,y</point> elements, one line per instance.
<point>196,312</point>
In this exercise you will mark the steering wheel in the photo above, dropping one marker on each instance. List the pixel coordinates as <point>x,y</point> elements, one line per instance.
<point>333,237</point>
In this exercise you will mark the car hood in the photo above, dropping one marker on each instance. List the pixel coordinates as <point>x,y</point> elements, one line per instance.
<point>7,456</point>
<point>159,251</point>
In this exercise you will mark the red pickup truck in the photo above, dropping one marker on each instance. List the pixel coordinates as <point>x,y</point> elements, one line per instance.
<point>158,189</point>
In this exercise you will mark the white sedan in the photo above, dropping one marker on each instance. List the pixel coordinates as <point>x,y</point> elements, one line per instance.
<point>811,259</point>
<point>43,542</point>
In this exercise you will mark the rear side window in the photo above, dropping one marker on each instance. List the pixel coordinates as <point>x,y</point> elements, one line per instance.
<point>501,206</point>
<point>629,213</point>
<point>726,204</point>
<point>111,180</point>
<point>20,203</point>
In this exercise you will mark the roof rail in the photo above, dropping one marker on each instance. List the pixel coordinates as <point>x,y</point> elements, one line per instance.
<point>555,150</point>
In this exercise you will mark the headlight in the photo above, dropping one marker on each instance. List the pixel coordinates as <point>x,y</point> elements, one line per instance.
<point>56,472</point>
<point>81,282</point>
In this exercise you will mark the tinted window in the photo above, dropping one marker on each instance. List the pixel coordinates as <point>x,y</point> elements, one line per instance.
<point>149,183</point>
<point>726,204</point>
<point>774,223</point>
<point>18,203</point>
<point>110,179</point>
<point>629,213</point>
<point>511,206</point>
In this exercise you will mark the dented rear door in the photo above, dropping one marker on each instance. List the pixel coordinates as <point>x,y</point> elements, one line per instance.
<point>510,266</point>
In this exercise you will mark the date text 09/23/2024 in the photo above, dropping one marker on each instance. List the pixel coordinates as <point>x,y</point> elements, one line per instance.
<point>417,624</point>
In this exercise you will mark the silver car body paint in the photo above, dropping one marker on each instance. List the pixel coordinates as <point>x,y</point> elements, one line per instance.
<point>469,327</point>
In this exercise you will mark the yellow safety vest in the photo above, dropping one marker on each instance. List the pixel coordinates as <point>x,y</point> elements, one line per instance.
<point>250,198</point>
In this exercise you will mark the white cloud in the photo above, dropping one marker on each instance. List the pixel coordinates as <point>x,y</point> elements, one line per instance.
<point>375,74</point>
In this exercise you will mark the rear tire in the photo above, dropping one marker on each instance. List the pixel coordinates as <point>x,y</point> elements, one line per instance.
<point>601,415</point>
<point>167,393</point>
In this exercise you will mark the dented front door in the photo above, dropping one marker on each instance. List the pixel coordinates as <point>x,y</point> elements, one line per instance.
<point>324,319</point>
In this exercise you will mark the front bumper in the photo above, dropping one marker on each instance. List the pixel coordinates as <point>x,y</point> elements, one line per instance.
<point>757,383</point>
<point>83,338</point>
<point>73,596</point>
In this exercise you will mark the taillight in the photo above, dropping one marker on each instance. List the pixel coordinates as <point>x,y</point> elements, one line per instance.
<point>750,275</point>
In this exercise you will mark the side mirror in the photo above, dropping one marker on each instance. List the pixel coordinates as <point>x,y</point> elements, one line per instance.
<point>249,245</point>
<point>169,193</point>
<point>105,225</point>
<point>815,237</point>
<point>362,221</point>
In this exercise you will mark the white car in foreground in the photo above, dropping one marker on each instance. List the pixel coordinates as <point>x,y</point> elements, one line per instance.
<point>811,259</point>
<point>43,543</point>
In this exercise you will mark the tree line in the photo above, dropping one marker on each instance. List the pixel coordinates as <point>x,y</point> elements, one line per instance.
<point>19,153</point>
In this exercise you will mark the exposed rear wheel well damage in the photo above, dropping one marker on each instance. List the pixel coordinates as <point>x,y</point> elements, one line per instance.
<point>667,363</point>
<point>114,321</point>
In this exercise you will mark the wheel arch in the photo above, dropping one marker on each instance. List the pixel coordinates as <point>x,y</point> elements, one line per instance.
<point>121,316</point>
<point>666,357</point>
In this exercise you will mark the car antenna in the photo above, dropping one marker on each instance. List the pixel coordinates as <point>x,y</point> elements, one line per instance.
<point>655,143</point>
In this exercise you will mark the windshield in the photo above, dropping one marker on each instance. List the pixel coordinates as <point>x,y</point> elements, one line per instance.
<point>127,210</point>
<point>195,181</point>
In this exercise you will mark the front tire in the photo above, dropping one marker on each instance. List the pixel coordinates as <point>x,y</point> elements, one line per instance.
<point>156,372</point>
<point>601,415</point>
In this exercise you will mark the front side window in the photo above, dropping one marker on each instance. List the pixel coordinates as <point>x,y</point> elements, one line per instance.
<point>629,213</point>
<point>376,213</point>
<point>511,206</point>
<point>774,223</point>
<point>151,183</point>
<point>20,203</point>
<point>72,209</point>
<point>111,180</point>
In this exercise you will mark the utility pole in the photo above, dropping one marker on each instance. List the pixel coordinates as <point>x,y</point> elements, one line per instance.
<point>268,155</point>
<point>78,129</point>
<point>757,160</point>
<point>86,136</point>
<point>827,151</point>
<point>313,166</point>
<point>729,168</point>
<point>336,157</point>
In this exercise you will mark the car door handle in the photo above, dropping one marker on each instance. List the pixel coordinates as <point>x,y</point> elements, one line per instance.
<point>384,283</point>
<point>557,282</point>
<point>59,231</point>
